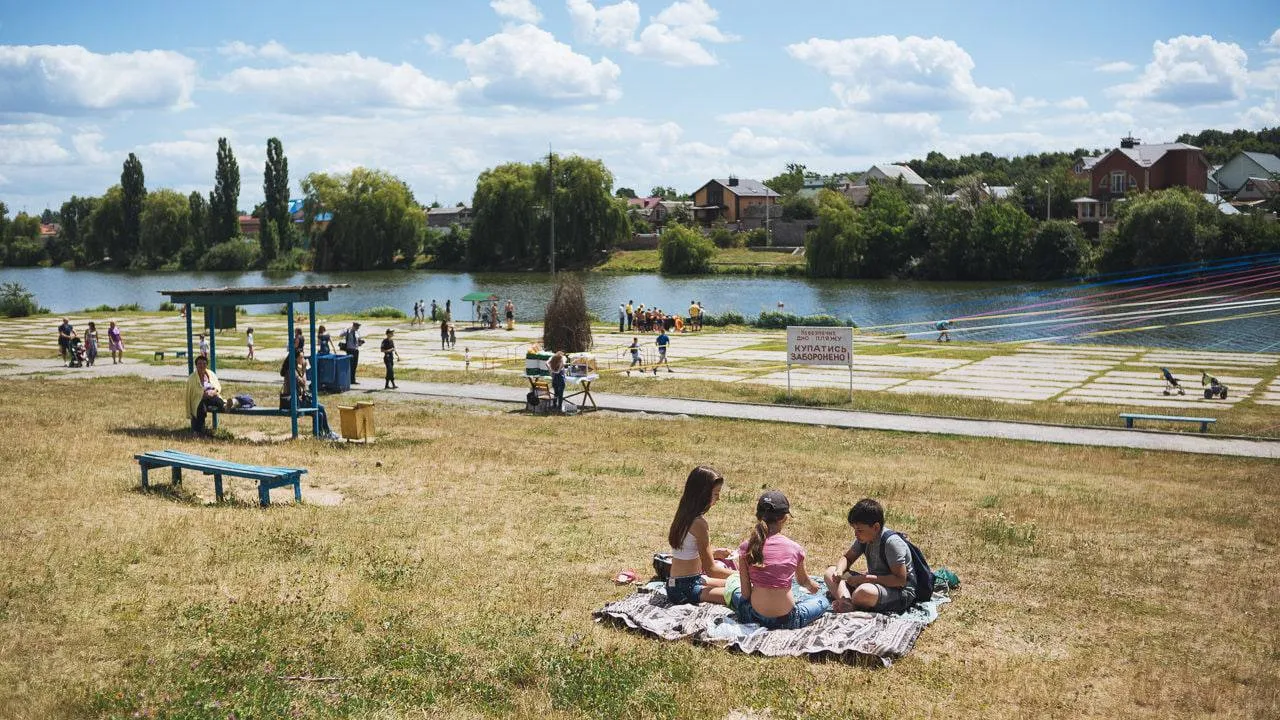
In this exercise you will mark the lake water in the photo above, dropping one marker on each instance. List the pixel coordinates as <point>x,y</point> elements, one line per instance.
<point>871,304</point>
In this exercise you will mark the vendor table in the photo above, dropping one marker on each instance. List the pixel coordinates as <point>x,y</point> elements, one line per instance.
<point>584,389</point>
<point>583,382</point>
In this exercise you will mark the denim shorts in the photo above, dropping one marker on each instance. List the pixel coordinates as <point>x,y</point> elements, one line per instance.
<point>806,610</point>
<point>685,590</point>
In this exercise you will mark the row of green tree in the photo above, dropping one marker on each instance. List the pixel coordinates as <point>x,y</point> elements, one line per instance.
<point>979,238</point>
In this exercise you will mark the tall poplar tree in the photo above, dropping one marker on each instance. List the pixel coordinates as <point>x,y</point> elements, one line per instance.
<point>199,219</point>
<point>224,221</point>
<point>134,187</point>
<point>275,211</point>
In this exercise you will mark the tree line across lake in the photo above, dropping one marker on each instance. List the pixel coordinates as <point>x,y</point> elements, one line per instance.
<point>369,219</point>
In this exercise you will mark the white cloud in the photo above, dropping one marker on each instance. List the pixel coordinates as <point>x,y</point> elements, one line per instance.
<point>69,80</point>
<point>1073,103</point>
<point>522,10</point>
<point>1265,115</point>
<point>1189,71</point>
<point>1267,77</point>
<point>675,36</point>
<point>842,132</point>
<point>1119,66</point>
<point>305,83</point>
<point>745,143</point>
<point>31,144</point>
<point>526,65</point>
<point>608,25</point>
<point>912,74</point>
<point>434,42</point>
<point>88,146</point>
<point>1273,44</point>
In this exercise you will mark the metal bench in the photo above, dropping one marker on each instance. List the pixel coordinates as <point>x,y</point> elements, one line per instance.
<point>268,477</point>
<point>1204,422</point>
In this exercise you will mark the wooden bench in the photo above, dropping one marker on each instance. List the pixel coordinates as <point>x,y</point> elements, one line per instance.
<point>1204,422</point>
<point>267,477</point>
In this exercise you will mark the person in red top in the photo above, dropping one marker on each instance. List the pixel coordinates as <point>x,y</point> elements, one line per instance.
<point>767,563</point>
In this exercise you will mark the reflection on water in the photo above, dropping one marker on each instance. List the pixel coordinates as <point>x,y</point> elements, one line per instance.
<point>868,303</point>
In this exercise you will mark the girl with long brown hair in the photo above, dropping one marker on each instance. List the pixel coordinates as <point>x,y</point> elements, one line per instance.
<point>695,577</point>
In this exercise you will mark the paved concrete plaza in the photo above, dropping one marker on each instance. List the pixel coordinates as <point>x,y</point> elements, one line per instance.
<point>1127,376</point>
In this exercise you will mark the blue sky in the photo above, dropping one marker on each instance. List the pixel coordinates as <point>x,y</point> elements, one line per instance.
<point>665,92</point>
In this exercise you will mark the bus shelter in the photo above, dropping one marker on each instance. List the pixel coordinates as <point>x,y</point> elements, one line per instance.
<point>218,302</point>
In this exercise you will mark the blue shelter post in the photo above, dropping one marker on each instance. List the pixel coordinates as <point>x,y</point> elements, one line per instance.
<point>209,322</point>
<point>293,377</point>
<point>315,372</point>
<point>191,356</point>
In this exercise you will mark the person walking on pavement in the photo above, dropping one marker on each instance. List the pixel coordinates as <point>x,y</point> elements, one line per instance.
<point>444,335</point>
<point>622,317</point>
<point>662,341</point>
<point>389,358</point>
<point>351,338</point>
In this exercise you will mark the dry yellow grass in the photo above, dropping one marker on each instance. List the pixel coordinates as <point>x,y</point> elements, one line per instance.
<point>457,577</point>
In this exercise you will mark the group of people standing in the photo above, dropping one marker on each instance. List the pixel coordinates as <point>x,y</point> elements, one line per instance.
<point>756,580</point>
<point>638,318</point>
<point>71,347</point>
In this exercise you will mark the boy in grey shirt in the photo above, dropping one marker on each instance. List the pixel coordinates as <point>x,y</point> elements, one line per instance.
<point>889,583</point>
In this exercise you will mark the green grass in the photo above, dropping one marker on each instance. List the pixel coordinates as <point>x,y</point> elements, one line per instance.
<point>457,576</point>
<point>725,261</point>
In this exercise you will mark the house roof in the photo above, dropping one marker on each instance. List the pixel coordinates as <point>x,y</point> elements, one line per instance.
<point>448,210</point>
<point>1148,155</point>
<point>1223,206</point>
<point>1267,162</point>
<point>746,188</point>
<point>1088,161</point>
<point>999,192</point>
<point>893,172</point>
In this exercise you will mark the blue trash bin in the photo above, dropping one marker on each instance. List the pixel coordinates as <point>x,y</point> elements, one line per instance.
<point>334,372</point>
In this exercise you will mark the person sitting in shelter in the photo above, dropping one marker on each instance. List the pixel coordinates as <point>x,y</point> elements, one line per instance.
<point>204,394</point>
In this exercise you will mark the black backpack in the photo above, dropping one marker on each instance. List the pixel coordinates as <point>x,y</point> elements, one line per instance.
<point>924,576</point>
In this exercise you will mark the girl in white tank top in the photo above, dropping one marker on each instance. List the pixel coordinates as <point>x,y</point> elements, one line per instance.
<point>695,574</point>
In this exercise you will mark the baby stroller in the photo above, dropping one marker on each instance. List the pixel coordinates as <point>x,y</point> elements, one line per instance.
<point>1171,383</point>
<point>76,356</point>
<point>1212,387</point>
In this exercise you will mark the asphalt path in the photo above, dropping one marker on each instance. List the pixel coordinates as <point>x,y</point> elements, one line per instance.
<point>1204,444</point>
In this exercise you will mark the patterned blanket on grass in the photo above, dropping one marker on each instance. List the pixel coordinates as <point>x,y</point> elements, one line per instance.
<point>854,636</point>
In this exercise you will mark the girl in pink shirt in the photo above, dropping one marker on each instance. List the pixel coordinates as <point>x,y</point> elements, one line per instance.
<point>768,562</point>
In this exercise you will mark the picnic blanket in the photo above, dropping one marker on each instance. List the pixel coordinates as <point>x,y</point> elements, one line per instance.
<point>859,637</point>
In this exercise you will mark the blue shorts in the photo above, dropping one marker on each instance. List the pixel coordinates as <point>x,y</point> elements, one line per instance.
<point>806,610</point>
<point>685,590</point>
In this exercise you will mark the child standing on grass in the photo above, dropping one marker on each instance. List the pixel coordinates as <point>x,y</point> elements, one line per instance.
<point>889,583</point>
<point>466,358</point>
<point>453,336</point>
<point>767,562</point>
<point>248,340</point>
<point>695,577</point>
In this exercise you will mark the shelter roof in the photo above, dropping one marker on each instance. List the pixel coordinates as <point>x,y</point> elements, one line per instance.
<point>252,295</point>
<point>479,296</point>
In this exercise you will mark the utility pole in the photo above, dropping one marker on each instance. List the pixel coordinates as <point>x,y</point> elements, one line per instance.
<point>551,169</point>
<point>1048,204</point>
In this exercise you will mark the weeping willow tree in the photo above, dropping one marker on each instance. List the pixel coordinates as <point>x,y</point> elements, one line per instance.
<point>566,325</point>
<point>515,204</point>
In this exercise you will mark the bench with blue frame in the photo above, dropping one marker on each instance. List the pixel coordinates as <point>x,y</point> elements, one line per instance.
<point>268,477</point>
<point>1204,422</point>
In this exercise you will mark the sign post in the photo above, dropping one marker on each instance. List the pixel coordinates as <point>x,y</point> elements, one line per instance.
<point>819,346</point>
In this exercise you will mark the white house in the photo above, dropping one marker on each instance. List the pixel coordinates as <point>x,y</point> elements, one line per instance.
<point>1236,172</point>
<point>891,173</point>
